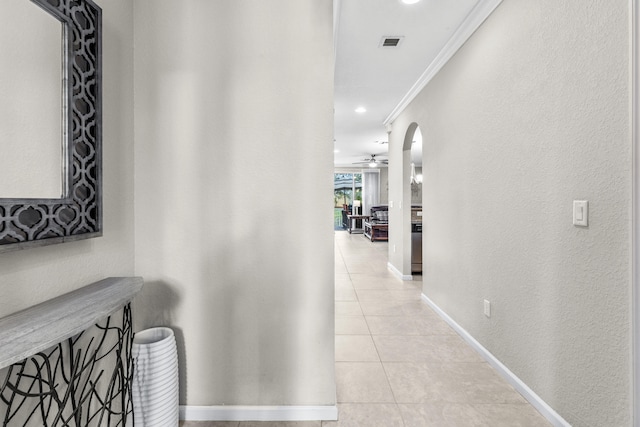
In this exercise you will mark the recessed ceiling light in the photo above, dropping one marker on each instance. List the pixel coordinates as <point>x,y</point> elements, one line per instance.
<point>361,110</point>
<point>410,1</point>
<point>336,151</point>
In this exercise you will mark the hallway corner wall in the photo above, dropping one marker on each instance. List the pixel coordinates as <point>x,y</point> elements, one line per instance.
<point>234,163</point>
<point>532,113</point>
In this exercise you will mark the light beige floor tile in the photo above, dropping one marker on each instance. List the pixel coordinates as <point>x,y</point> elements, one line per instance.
<point>341,268</point>
<point>362,267</point>
<point>394,348</point>
<point>373,295</point>
<point>380,261</point>
<point>419,383</point>
<point>355,348</point>
<point>348,308</point>
<point>351,325</point>
<point>452,348</point>
<point>362,255</point>
<point>424,348</point>
<point>510,415</point>
<point>374,281</point>
<point>449,382</point>
<point>482,384</point>
<point>440,414</point>
<point>405,294</point>
<point>382,308</point>
<point>382,275</point>
<point>467,415</point>
<point>424,311</point>
<point>343,281</point>
<point>392,325</point>
<point>362,382</point>
<point>360,282</point>
<point>366,415</point>
<point>408,325</point>
<point>432,325</point>
<point>403,285</point>
<point>415,308</point>
<point>343,278</point>
<point>345,293</point>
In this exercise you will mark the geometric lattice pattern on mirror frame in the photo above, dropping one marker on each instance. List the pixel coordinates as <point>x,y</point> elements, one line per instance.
<point>83,381</point>
<point>78,213</point>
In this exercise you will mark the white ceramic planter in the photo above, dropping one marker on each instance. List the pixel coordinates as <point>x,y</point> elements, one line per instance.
<point>155,378</point>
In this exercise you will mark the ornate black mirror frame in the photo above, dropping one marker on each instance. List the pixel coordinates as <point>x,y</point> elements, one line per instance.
<point>77,214</point>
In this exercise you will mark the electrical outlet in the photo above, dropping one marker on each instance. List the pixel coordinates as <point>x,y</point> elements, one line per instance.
<point>394,249</point>
<point>487,308</point>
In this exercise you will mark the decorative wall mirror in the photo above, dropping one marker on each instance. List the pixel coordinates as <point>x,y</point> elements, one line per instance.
<point>62,200</point>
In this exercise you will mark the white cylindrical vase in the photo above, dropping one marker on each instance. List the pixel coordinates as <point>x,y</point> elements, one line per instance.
<point>155,378</point>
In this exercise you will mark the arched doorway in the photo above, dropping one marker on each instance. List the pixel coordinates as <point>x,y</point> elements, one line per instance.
<point>415,186</point>
<point>411,202</point>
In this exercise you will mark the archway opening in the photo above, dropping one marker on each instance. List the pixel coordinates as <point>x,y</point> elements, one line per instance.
<point>412,200</point>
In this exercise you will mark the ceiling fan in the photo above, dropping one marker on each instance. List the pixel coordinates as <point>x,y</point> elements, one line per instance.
<point>372,161</point>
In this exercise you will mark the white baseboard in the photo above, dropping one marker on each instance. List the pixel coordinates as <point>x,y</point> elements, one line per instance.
<point>398,273</point>
<point>259,413</point>
<point>536,401</point>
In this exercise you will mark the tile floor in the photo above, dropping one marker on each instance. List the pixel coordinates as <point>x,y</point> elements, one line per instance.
<point>398,363</point>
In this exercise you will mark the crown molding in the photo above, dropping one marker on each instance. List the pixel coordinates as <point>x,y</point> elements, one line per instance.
<point>482,10</point>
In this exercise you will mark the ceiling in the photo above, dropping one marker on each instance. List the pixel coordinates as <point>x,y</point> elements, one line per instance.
<point>378,78</point>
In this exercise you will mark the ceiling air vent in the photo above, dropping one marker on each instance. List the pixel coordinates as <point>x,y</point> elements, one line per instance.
<point>391,41</point>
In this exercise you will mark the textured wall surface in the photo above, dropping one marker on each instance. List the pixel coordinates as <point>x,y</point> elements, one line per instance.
<point>234,117</point>
<point>31,276</point>
<point>384,186</point>
<point>531,114</point>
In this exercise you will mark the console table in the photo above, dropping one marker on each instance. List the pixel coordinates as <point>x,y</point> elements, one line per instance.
<point>67,361</point>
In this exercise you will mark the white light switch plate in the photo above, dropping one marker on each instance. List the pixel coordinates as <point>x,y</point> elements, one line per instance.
<point>581,213</point>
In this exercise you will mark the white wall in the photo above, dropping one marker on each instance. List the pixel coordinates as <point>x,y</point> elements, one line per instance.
<point>384,186</point>
<point>531,114</point>
<point>234,118</point>
<point>28,277</point>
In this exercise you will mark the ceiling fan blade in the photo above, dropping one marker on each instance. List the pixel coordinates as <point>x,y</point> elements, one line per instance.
<point>373,159</point>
